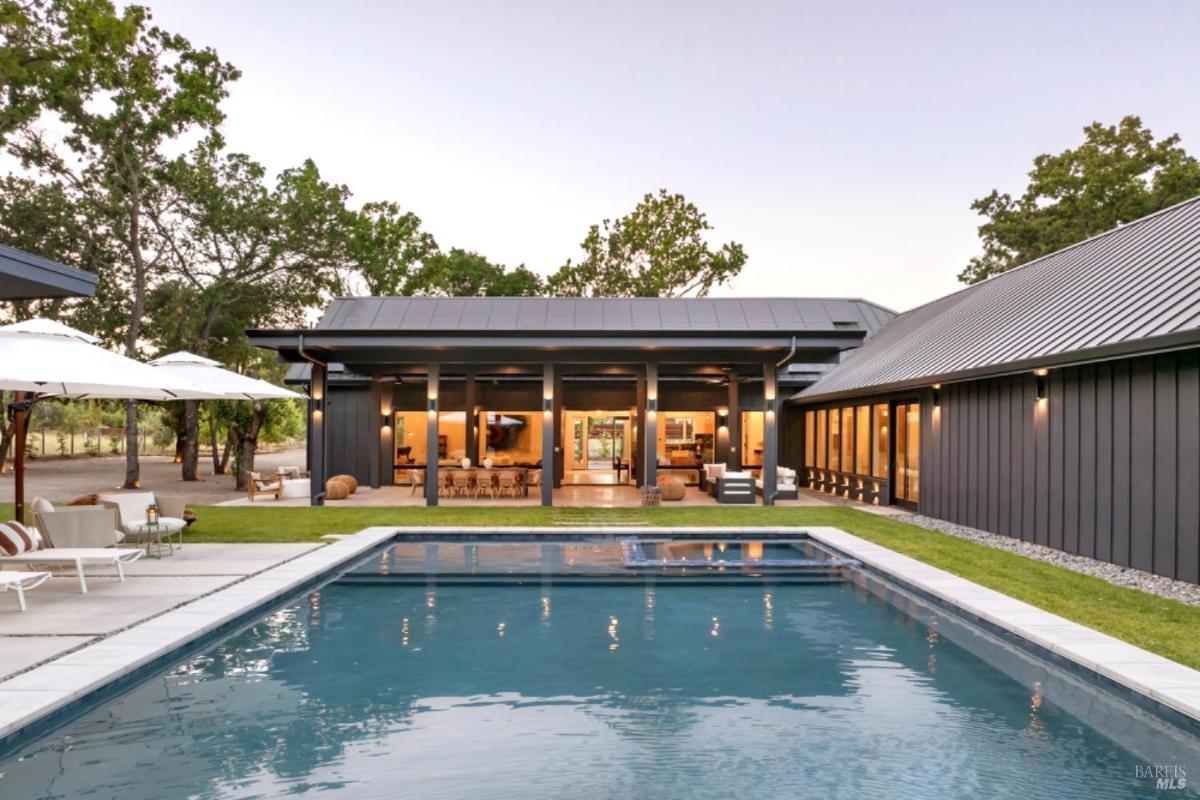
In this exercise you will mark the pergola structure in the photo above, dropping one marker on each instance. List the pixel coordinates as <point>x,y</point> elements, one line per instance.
<point>369,357</point>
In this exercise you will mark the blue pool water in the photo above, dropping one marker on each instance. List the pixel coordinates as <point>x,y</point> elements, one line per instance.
<point>649,690</point>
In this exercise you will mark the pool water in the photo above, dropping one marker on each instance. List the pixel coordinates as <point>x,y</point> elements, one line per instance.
<point>542,690</point>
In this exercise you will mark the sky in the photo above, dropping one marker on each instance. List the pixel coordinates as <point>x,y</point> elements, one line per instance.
<point>841,143</point>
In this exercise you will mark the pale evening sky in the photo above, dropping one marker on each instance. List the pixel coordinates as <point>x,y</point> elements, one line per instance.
<point>841,143</point>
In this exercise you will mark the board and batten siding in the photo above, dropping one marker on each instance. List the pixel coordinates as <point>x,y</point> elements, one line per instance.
<point>1108,466</point>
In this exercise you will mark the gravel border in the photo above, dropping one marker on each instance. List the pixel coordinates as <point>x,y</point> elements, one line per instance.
<point>1115,574</point>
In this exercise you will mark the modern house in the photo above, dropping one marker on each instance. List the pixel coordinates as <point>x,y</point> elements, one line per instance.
<point>1058,402</point>
<point>607,391</point>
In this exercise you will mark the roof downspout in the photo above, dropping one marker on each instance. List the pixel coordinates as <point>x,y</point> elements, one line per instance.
<point>778,363</point>
<point>300,351</point>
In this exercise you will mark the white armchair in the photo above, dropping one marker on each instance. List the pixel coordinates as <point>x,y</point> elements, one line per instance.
<point>131,512</point>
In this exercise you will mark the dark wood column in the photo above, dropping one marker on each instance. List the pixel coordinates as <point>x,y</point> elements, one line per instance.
<point>560,465</point>
<point>548,386</point>
<point>735,426</point>
<point>316,434</point>
<point>375,457</point>
<point>387,432</point>
<point>770,434</point>
<point>472,445</point>
<point>431,437</point>
<point>651,462</point>
<point>638,461</point>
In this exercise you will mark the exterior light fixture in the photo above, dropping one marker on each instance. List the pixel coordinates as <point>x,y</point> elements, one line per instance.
<point>548,404</point>
<point>937,395</point>
<point>433,405</point>
<point>1042,381</point>
<point>652,405</point>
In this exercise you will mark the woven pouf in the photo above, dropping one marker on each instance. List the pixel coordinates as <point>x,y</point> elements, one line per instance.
<point>350,481</point>
<point>672,488</point>
<point>336,489</point>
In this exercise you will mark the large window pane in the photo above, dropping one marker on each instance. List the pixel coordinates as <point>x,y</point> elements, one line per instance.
<point>686,438</point>
<point>879,424</point>
<point>862,440</point>
<point>810,442</point>
<point>912,453</point>
<point>822,439</point>
<point>847,439</point>
<point>511,438</point>
<point>835,439</point>
<point>752,438</point>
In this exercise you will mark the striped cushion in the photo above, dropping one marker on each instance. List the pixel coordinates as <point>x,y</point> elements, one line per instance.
<point>14,539</point>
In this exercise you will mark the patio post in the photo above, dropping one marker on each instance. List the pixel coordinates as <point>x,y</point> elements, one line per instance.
<point>651,437</point>
<point>548,394</point>
<point>472,447</point>
<point>431,437</point>
<point>638,459</point>
<point>387,432</point>
<point>770,437</point>
<point>735,425</point>
<point>375,456</point>
<point>316,434</point>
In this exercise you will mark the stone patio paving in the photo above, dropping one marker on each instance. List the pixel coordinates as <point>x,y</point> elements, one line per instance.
<point>61,619</point>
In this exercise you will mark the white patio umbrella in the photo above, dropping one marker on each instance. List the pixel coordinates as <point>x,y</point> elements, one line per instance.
<point>44,357</point>
<point>48,358</point>
<point>212,375</point>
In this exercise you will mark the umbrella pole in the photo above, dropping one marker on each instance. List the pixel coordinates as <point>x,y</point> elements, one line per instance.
<point>19,456</point>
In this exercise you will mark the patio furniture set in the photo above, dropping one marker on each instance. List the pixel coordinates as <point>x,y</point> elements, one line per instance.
<point>287,482</point>
<point>475,481</point>
<point>87,535</point>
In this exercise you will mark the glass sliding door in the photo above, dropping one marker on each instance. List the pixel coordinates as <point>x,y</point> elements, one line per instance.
<point>907,468</point>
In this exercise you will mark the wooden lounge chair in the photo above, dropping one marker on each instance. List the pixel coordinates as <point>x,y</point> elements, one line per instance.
<point>21,582</point>
<point>416,478</point>
<point>260,485</point>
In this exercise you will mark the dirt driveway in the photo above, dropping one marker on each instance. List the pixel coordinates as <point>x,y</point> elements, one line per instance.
<point>59,480</point>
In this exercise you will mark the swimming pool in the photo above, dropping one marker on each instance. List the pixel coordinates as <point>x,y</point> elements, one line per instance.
<point>407,679</point>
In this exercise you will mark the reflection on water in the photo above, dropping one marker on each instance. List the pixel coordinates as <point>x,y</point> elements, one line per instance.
<point>587,691</point>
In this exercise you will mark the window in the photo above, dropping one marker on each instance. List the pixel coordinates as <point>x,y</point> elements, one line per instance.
<point>752,438</point>
<point>510,438</point>
<point>821,440</point>
<point>810,442</point>
<point>835,439</point>
<point>908,451</point>
<point>862,440</point>
<point>687,438</point>
<point>847,439</point>
<point>879,424</point>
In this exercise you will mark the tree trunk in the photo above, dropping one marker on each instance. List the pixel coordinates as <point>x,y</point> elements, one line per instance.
<point>180,442</point>
<point>133,470</point>
<point>227,452</point>
<point>248,445</point>
<point>191,440</point>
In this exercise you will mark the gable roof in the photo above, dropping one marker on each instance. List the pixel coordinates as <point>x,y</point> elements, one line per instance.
<point>601,315</point>
<point>1134,289</point>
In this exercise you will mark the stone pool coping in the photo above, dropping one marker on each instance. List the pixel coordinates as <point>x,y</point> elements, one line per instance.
<point>37,697</point>
<point>1170,684</point>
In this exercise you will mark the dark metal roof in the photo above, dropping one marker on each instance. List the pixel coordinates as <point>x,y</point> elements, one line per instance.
<point>24,276</point>
<point>601,315</point>
<point>1134,289</point>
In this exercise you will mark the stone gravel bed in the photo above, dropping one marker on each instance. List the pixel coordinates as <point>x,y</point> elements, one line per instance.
<point>1113,573</point>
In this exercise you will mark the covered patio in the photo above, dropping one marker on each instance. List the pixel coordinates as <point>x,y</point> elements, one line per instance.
<point>577,401</point>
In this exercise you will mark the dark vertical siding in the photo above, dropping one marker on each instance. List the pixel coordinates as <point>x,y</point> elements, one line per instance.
<point>1188,470</point>
<point>1108,466</point>
<point>353,432</point>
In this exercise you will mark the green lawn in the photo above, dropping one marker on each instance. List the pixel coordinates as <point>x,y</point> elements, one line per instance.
<point>1162,626</point>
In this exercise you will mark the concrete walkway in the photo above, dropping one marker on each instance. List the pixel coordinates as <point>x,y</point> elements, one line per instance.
<point>60,619</point>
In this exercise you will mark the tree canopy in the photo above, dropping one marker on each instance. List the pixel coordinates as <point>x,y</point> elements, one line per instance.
<point>1118,174</point>
<point>657,250</point>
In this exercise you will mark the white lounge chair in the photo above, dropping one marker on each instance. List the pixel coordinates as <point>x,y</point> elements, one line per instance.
<point>131,512</point>
<point>21,582</point>
<point>80,557</point>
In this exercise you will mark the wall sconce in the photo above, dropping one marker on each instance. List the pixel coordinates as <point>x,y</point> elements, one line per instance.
<point>387,419</point>
<point>937,395</point>
<point>1042,381</point>
<point>433,405</point>
<point>722,415</point>
<point>652,405</point>
<point>548,404</point>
